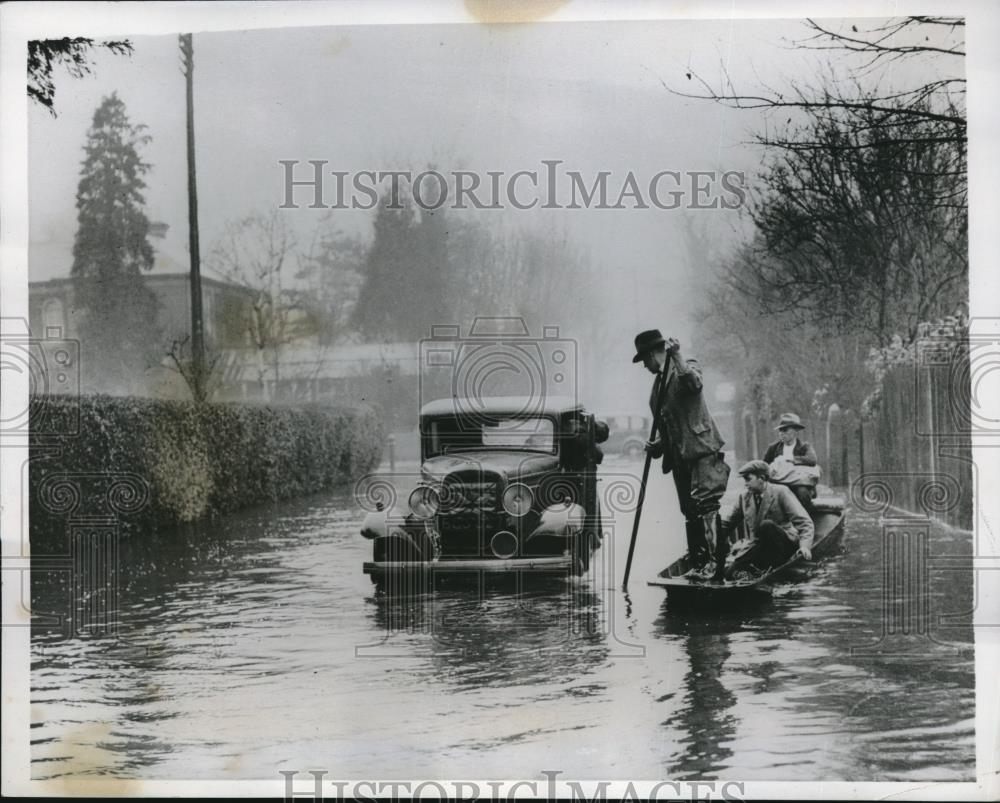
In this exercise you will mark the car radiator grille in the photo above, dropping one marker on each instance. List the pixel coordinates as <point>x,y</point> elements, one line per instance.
<point>459,496</point>
<point>468,534</point>
<point>470,515</point>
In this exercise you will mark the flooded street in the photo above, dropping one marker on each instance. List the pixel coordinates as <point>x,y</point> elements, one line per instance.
<point>256,645</point>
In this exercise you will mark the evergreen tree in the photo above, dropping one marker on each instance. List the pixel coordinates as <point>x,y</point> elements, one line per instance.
<point>385,301</point>
<point>430,276</point>
<point>407,275</point>
<point>119,335</point>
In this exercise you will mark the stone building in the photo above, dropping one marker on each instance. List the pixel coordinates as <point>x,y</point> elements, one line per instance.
<point>306,368</point>
<point>51,301</point>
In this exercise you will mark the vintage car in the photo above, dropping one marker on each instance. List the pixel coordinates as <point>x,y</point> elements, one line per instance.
<point>506,484</point>
<point>629,432</point>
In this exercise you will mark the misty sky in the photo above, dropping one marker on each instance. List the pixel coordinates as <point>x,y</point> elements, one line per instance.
<point>497,97</point>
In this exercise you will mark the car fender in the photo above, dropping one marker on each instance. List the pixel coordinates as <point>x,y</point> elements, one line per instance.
<point>381,523</point>
<point>397,537</point>
<point>562,521</point>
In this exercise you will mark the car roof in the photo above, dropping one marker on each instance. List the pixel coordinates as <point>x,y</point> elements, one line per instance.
<point>502,405</point>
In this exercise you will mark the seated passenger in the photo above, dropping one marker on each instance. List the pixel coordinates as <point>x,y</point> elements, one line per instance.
<point>789,451</point>
<point>772,517</point>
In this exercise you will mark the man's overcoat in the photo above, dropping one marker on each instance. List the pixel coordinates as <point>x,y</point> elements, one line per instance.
<point>684,423</point>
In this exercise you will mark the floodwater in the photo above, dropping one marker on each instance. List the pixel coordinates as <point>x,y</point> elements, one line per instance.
<point>256,645</point>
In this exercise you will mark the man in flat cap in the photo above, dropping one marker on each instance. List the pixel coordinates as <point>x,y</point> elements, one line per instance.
<point>687,440</point>
<point>771,516</point>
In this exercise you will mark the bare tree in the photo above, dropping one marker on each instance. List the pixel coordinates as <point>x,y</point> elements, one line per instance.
<point>203,377</point>
<point>258,252</point>
<point>779,362</point>
<point>331,275</point>
<point>937,103</point>
<point>544,279</point>
<point>870,237</point>
<point>859,213</point>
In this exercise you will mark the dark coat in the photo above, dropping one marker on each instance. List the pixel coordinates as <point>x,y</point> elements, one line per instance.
<point>803,453</point>
<point>683,422</point>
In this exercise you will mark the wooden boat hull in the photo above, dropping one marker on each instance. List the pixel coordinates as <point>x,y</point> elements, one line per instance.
<point>828,520</point>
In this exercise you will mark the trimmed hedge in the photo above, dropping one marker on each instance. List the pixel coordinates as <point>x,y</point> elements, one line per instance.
<point>199,461</point>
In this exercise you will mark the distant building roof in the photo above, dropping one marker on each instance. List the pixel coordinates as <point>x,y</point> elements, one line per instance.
<point>166,265</point>
<point>337,361</point>
<point>53,259</point>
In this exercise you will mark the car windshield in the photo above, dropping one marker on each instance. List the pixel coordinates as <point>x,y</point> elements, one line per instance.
<point>514,432</point>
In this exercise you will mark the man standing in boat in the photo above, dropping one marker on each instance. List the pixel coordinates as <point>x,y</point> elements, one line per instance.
<point>772,517</point>
<point>688,442</point>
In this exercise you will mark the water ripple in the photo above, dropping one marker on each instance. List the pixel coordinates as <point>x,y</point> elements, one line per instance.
<point>256,643</point>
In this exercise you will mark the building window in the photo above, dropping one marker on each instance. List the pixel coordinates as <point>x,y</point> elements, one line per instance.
<point>52,315</point>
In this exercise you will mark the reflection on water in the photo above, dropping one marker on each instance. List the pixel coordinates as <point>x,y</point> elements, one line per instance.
<point>703,715</point>
<point>257,645</point>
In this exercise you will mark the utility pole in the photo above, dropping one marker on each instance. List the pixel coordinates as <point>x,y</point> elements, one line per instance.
<point>197,324</point>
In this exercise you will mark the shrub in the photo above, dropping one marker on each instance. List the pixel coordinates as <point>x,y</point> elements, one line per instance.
<point>196,461</point>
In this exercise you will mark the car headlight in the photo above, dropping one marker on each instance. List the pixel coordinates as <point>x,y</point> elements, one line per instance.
<point>424,501</point>
<point>518,499</point>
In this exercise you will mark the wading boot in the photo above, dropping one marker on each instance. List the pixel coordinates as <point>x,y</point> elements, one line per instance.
<point>697,553</point>
<point>718,543</point>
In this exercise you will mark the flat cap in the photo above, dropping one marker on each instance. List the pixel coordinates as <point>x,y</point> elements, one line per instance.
<point>755,467</point>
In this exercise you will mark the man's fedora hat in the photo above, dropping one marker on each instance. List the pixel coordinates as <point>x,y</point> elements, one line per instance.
<point>646,342</point>
<point>789,420</point>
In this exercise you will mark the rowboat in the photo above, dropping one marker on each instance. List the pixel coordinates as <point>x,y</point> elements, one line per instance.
<point>828,520</point>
